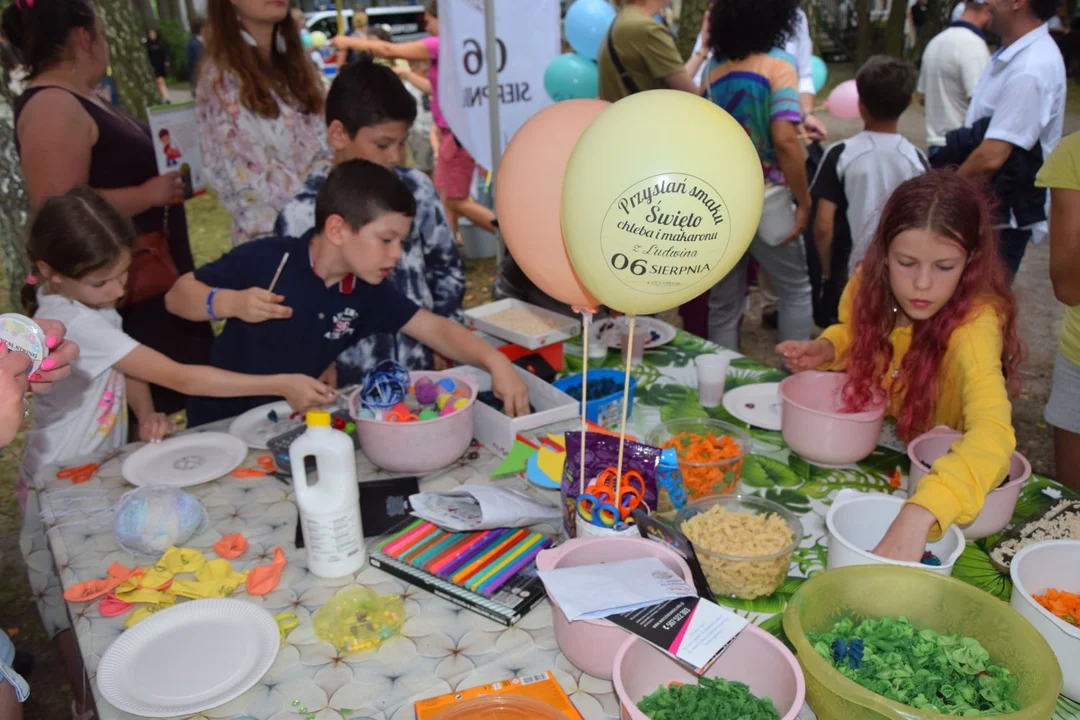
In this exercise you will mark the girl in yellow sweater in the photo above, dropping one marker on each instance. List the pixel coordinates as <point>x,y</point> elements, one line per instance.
<point>928,322</point>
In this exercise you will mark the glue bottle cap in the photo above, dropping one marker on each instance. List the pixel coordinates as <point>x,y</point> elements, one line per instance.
<point>318,418</point>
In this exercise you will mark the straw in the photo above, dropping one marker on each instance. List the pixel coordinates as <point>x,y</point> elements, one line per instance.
<point>280,267</point>
<point>586,319</point>
<point>622,424</point>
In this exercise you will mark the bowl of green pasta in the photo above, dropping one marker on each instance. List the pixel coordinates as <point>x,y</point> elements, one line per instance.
<point>896,643</point>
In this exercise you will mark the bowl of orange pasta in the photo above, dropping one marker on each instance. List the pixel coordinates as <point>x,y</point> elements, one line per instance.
<point>711,453</point>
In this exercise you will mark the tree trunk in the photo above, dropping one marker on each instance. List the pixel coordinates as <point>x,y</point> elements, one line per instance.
<point>189,6</point>
<point>813,19</point>
<point>131,67</point>
<point>693,11</point>
<point>865,31</point>
<point>145,11</point>
<point>14,200</point>
<point>895,30</point>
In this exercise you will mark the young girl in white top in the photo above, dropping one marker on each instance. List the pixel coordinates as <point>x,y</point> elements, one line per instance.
<point>80,250</point>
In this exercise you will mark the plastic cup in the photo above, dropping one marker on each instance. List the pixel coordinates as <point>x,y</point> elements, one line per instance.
<point>641,335</point>
<point>711,375</point>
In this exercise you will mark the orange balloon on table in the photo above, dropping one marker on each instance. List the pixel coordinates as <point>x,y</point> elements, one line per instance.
<point>231,546</point>
<point>261,580</point>
<point>528,197</point>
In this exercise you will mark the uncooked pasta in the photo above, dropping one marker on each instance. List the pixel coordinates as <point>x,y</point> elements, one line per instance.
<point>726,543</point>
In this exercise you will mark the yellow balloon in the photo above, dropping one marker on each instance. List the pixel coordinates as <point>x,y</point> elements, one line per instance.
<point>319,39</point>
<point>661,198</point>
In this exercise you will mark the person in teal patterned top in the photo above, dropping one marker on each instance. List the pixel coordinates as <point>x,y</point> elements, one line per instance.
<point>758,85</point>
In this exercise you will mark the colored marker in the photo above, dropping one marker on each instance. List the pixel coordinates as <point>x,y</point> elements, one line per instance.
<point>449,552</point>
<point>513,569</point>
<point>496,537</point>
<point>399,546</point>
<point>408,528</point>
<point>450,559</point>
<point>477,565</point>
<point>424,543</point>
<point>435,550</point>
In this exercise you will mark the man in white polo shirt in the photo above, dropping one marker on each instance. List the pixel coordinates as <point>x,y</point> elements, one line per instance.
<point>1022,91</point>
<point>951,67</point>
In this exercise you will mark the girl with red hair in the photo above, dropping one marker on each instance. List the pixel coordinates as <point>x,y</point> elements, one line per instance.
<point>928,325</point>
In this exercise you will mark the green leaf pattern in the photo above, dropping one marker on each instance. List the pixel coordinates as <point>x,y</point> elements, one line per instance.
<point>666,390</point>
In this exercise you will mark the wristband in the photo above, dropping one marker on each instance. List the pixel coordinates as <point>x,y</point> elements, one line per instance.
<point>210,305</point>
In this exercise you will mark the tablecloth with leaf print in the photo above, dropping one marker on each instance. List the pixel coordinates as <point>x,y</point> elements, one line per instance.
<point>442,647</point>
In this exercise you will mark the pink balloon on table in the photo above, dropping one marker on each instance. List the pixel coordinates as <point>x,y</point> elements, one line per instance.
<point>843,101</point>
<point>528,196</point>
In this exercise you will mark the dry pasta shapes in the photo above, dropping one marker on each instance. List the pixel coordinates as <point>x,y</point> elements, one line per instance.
<point>743,554</point>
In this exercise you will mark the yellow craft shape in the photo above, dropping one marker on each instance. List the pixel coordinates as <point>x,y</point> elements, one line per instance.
<point>145,595</point>
<point>181,560</point>
<point>144,612</point>
<point>551,463</point>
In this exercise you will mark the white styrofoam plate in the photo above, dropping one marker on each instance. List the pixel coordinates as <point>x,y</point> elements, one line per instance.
<point>188,658</point>
<point>610,331</point>
<point>256,428</point>
<point>185,460</point>
<point>757,405</point>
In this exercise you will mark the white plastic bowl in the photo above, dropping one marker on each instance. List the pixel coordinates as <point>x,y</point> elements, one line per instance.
<point>1050,564</point>
<point>857,521</point>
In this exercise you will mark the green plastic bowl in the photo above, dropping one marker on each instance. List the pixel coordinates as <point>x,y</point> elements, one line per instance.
<point>929,600</point>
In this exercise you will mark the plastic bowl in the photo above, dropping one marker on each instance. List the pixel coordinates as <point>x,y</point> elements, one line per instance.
<point>591,644</point>
<point>605,411</point>
<point>728,574</point>
<point>814,427</point>
<point>1000,503</point>
<point>703,479</point>
<point>1050,564</point>
<point>857,521</point>
<point>928,600</point>
<point>755,657</point>
<point>417,447</point>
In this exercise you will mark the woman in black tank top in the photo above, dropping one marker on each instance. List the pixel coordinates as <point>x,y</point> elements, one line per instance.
<point>67,137</point>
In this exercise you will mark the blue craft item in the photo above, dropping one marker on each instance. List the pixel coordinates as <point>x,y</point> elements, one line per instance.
<point>396,370</point>
<point>151,519</point>
<point>447,385</point>
<point>366,414</point>
<point>930,559</point>
<point>855,653</point>
<point>535,475</point>
<point>839,650</point>
<point>383,387</point>
<point>273,416</point>
<point>670,477</point>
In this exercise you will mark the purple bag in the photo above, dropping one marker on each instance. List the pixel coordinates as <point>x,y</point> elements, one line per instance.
<point>602,452</point>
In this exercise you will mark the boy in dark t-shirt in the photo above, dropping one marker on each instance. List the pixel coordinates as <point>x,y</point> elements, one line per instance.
<point>330,294</point>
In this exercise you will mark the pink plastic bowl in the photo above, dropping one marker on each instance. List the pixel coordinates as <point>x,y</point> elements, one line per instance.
<point>1000,503</point>
<point>755,658</point>
<point>417,447</point>
<point>591,644</point>
<point>814,427</point>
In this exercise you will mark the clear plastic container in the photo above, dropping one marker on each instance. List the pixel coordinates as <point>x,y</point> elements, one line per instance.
<point>743,576</point>
<point>928,600</point>
<point>706,478</point>
<point>501,707</point>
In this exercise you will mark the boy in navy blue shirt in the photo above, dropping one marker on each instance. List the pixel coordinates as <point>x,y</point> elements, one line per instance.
<point>329,296</point>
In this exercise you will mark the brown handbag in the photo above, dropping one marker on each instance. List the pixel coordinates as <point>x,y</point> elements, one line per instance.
<point>153,271</point>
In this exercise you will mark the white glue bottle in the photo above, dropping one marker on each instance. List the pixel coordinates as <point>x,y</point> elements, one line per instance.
<point>330,508</point>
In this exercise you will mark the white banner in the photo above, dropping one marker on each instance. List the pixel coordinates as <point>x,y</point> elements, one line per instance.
<point>529,38</point>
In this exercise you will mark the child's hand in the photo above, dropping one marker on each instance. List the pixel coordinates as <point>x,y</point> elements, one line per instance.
<point>156,428</point>
<point>61,354</point>
<point>256,305</point>
<point>508,386</point>
<point>799,356</point>
<point>329,376</point>
<point>13,387</point>
<point>303,392</point>
<point>906,537</point>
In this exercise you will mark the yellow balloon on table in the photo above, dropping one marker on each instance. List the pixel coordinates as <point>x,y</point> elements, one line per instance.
<point>661,198</point>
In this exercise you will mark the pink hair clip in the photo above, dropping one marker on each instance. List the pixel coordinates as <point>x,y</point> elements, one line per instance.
<point>31,279</point>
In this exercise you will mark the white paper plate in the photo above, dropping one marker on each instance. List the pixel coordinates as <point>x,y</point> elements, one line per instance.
<point>185,460</point>
<point>256,429</point>
<point>757,405</point>
<point>189,658</point>
<point>610,331</point>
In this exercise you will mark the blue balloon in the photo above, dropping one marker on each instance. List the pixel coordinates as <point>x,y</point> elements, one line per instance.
<point>821,72</point>
<point>571,76</point>
<point>305,39</point>
<point>586,24</point>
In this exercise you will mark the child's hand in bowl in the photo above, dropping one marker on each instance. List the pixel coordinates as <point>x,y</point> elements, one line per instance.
<point>304,393</point>
<point>800,356</point>
<point>508,386</point>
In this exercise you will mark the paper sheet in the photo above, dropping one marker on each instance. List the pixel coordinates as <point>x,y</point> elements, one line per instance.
<point>480,507</point>
<point>596,591</point>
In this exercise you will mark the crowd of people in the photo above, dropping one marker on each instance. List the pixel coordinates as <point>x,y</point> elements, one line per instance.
<point>903,258</point>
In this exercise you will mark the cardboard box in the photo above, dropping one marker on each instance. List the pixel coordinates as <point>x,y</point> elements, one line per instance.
<point>567,327</point>
<point>553,354</point>
<point>543,688</point>
<point>497,431</point>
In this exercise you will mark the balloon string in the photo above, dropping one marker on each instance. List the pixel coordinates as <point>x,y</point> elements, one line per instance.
<point>586,319</point>
<point>625,393</point>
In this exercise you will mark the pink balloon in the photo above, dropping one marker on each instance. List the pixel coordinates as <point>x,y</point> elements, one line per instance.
<point>843,101</point>
<point>528,196</point>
